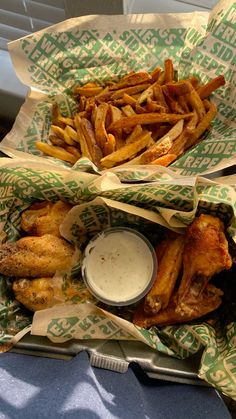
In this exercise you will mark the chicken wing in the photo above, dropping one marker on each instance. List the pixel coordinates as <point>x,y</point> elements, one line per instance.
<point>41,293</point>
<point>205,254</point>
<point>35,256</point>
<point>196,307</point>
<point>44,218</point>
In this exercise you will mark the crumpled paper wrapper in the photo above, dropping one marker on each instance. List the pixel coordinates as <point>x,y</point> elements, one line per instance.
<point>100,202</point>
<point>96,48</point>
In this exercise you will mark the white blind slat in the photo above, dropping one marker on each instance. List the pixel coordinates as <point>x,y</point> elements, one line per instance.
<point>54,3</point>
<point>208,4</point>
<point>21,17</point>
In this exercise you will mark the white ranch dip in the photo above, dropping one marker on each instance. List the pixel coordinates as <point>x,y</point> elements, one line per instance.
<point>119,266</point>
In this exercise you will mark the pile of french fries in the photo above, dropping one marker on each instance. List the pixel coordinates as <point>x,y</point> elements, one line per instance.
<point>143,118</point>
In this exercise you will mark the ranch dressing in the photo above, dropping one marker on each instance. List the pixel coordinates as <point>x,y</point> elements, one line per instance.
<point>119,266</point>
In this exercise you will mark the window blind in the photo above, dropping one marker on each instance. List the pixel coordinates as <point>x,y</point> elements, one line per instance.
<point>21,17</point>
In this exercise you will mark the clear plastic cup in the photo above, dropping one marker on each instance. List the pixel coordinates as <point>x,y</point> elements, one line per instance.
<point>119,266</point>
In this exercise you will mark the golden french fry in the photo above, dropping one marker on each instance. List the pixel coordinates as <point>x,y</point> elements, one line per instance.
<point>126,152</point>
<point>110,145</point>
<point>128,110</point>
<point>156,151</point>
<point>203,124</point>
<point>163,145</point>
<point>148,118</point>
<point>131,80</point>
<point>148,93</point>
<point>173,104</point>
<point>154,107</point>
<point>100,120</point>
<point>179,143</point>
<point>196,102</point>
<point>211,86</point>
<point>74,151</point>
<point>58,131</point>
<point>82,140</point>
<point>136,132</point>
<point>159,97</point>
<point>129,100</point>
<point>155,74</point>
<point>55,151</point>
<point>165,160</point>
<point>169,70</point>
<point>168,271</point>
<point>88,91</point>
<point>179,88</point>
<point>72,133</point>
<point>89,136</point>
<point>129,90</point>
<point>116,114</point>
<point>56,140</point>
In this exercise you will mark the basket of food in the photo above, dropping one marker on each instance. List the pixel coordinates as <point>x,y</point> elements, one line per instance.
<point>129,94</point>
<point>86,256</point>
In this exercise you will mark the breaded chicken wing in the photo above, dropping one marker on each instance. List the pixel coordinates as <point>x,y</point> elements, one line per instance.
<point>44,218</point>
<point>205,254</point>
<point>41,293</point>
<point>35,256</point>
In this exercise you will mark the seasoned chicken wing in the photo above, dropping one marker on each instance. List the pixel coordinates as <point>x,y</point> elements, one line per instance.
<point>41,293</point>
<point>35,256</point>
<point>196,307</point>
<point>44,218</point>
<point>205,254</point>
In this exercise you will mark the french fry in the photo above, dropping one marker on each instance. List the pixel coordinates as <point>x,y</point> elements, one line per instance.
<point>180,142</point>
<point>165,160</point>
<point>82,140</point>
<point>196,102</point>
<point>110,145</point>
<point>159,97</point>
<point>173,104</point>
<point>211,86</point>
<point>155,74</point>
<point>100,120</point>
<point>163,145</point>
<point>89,136</point>
<point>137,131</point>
<point>56,140</point>
<point>129,100</point>
<point>129,90</point>
<point>128,110</point>
<point>55,151</point>
<point>168,271</point>
<point>148,118</point>
<point>169,70</point>
<point>88,91</point>
<point>132,80</point>
<point>126,152</point>
<point>74,151</point>
<point>72,133</point>
<point>179,88</point>
<point>203,124</point>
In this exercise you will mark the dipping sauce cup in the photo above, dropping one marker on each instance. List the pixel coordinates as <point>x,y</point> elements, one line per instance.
<point>119,266</point>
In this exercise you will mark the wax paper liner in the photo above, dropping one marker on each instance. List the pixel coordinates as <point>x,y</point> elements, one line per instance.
<point>99,202</point>
<point>96,48</point>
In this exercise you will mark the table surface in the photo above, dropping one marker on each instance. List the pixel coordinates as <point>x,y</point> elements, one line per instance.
<point>36,387</point>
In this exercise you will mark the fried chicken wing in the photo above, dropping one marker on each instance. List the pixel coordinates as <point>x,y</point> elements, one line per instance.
<point>44,218</point>
<point>205,254</point>
<point>35,256</point>
<point>41,293</point>
<point>208,301</point>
